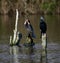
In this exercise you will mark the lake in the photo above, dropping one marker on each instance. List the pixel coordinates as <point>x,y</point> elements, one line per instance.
<point>33,54</point>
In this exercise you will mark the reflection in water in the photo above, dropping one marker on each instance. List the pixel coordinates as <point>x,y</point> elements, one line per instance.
<point>26,55</point>
<point>14,52</point>
<point>44,56</point>
<point>6,24</point>
<point>30,55</point>
<point>31,52</point>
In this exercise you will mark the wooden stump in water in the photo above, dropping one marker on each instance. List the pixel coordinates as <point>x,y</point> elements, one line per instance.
<point>14,40</point>
<point>44,41</point>
<point>44,48</point>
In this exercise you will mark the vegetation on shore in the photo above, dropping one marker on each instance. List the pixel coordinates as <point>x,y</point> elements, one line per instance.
<point>31,7</point>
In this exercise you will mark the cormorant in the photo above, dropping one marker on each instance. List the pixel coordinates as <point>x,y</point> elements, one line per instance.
<point>29,28</point>
<point>19,37</point>
<point>43,26</point>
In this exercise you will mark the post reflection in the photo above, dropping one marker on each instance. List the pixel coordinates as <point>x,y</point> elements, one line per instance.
<point>43,58</point>
<point>14,54</point>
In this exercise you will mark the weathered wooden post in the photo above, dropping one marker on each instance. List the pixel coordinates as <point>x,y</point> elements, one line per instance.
<point>15,30</point>
<point>14,38</point>
<point>44,41</point>
<point>44,48</point>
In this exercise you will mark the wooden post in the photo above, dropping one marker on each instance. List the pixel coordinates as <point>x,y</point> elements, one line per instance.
<point>15,30</point>
<point>13,41</point>
<point>44,48</point>
<point>44,41</point>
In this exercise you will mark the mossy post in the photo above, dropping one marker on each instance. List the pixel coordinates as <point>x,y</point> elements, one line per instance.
<point>13,39</point>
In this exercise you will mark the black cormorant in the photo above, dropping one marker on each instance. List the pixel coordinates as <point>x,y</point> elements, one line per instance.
<point>43,26</point>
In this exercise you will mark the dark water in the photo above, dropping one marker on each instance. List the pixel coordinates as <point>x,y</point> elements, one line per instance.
<point>24,54</point>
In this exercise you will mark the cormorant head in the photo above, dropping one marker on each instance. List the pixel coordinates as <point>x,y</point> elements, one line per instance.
<point>27,22</point>
<point>42,18</point>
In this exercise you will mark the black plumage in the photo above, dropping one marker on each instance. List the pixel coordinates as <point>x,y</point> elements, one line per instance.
<point>43,26</point>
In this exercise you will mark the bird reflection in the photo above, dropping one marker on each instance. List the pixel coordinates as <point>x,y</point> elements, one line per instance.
<point>30,54</point>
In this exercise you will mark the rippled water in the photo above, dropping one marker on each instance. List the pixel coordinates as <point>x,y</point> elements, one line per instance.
<point>24,54</point>
<point>33,54</point>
